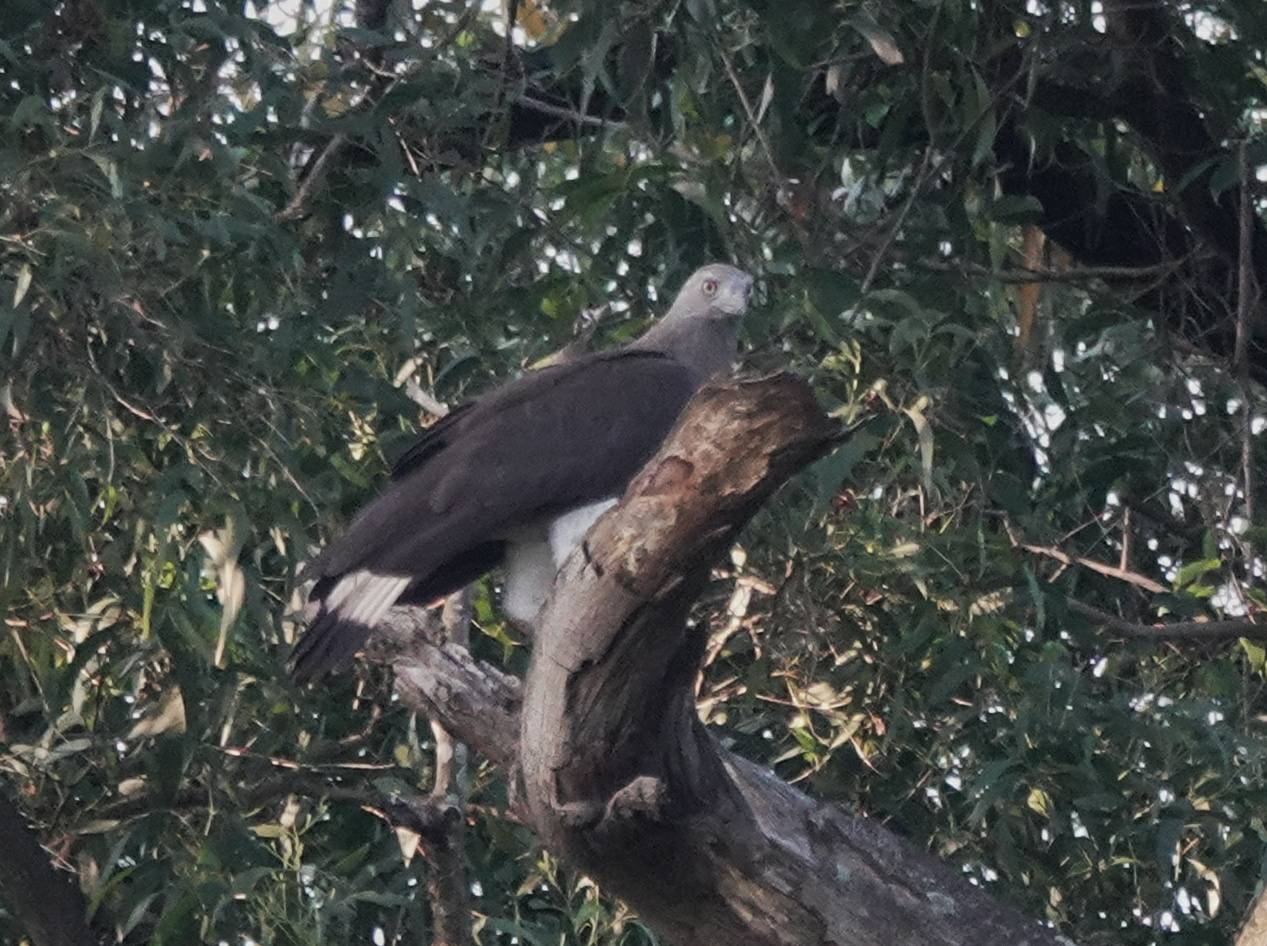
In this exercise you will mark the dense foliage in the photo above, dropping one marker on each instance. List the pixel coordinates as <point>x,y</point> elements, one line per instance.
<point>234,236</point>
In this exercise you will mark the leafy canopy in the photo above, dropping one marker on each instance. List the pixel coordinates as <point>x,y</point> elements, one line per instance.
<point>209,314</point>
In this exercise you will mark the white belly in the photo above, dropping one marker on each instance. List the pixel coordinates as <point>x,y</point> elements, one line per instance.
<point>533,557</point>
<point>568,529</point>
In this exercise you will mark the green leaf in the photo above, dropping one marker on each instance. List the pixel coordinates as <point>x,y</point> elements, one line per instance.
<point>1016,209</point>
<point>1037,596</point>
<point>924,434</point>
<point>950,681</point>
<point>1190,572</point>
<point>879,39</point>
<point>179,922</point>
<point>982,118</point>
<point>23,285</point>
<point>1255,654</point>
<point>834,470</point>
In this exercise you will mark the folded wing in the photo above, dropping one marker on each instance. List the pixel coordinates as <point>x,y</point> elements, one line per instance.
<point>548,442</point>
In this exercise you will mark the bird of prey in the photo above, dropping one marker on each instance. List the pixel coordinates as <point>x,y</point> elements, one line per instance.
<point>517,476</point>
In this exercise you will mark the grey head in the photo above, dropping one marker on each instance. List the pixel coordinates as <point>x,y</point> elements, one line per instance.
<point>718,291</point>
<point>701,328</point>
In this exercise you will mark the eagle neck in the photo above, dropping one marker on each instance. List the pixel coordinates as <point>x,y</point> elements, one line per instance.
<point>706,346</point>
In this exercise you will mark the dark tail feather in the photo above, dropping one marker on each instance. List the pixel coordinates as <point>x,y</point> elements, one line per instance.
<point>329,643</point>
<point>332,639</point>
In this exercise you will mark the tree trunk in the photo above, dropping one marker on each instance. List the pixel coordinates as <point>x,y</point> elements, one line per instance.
<point>620,776</point>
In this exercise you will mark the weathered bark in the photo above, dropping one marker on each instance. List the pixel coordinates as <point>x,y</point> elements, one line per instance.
<point>1254,930</point>
<point>619,774</point>
<point>448,889</point>
<point>475,702</point>
<point>46,903</point>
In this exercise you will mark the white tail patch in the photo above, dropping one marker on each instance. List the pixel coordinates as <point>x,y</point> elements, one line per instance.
<point>364,597</point>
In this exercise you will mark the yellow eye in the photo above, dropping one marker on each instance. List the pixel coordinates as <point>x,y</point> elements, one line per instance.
<point>710,287</point>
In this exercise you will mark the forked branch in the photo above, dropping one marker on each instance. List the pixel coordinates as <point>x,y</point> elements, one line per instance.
<point>619,774</point>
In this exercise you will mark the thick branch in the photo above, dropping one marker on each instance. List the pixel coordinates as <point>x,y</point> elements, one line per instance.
<point>1204,631</point>
<point>620,775</point>
<point>447,886</point>
<point>475,702</point>
<point>1254,930</point>
<point>816,839</point>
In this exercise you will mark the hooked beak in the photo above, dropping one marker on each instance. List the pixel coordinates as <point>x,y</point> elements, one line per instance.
<point>735,300</point>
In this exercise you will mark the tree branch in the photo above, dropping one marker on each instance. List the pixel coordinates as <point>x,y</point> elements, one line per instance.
<point>1109,571</point>
<point>1077,274</point>
<point>447,885</point>
<point>621,776</point>
<point>317,171</point>
<point>619,773</point>
<point>1254,931</point>
<point>1247,310</point>
<point>416,812</point>
<point>475,702</point>
<point>1179,630</point>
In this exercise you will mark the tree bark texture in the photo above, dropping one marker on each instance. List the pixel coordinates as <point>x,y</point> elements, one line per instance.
<point>448,888</point>
<point>1254,930</point>
<point>619,775</point>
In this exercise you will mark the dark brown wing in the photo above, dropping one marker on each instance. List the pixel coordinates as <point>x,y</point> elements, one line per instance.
<point>431,441</point>
<point>552,440</point>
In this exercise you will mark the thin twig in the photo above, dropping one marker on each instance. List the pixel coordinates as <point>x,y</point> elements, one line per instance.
<point>570,114</point>
<point>1179,630</point>
<point>1109,571</point>
<point>298,205</point>
<point>780,178</point>
<point>425,811</point>
<point>1021,274</point>
<point>925,167</point>
<point>921,177</point>
<point>1246,304</point>
<point>512,17</point>
<point>1162,518</point>
<point>458,27</point>
<point>511,11</point>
